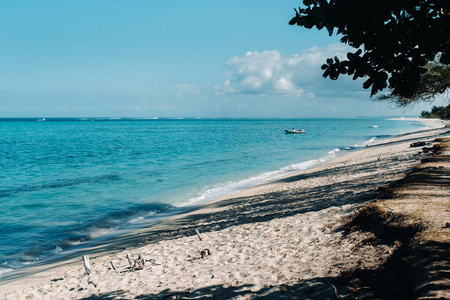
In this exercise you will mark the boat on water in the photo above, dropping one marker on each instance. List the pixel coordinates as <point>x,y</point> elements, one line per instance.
<point>293,130</point>
<point>42,120</point>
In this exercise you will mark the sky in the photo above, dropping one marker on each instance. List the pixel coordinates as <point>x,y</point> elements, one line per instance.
<point>171,58</point>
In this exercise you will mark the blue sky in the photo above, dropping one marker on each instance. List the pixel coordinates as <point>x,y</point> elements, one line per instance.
<point>109,58</point>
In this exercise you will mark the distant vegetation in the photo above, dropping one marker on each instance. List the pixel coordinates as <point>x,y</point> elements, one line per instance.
<point>440,112</point>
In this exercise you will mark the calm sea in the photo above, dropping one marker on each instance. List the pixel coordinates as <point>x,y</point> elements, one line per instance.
<point>65,181</point>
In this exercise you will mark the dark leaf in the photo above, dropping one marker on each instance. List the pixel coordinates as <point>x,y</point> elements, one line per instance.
<point>393,40</point>
<point>368,83</point>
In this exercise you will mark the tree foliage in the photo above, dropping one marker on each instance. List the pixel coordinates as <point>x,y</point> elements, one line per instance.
<point>440,112</point>
<point>434,82</point>
<point>394,41</point>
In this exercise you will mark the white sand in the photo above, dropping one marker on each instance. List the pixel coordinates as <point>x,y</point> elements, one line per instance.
<point>280,238</point>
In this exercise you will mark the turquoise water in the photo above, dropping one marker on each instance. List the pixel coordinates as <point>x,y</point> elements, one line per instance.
<point>64,181</point>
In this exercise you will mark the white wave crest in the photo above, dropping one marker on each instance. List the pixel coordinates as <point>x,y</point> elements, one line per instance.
<point>228,188</point>
<point>334,151</point>
<point>370,141</point>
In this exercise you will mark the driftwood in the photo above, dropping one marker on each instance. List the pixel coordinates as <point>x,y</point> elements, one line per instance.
<point>129,259</point>
<point>91,282</point>
<point>87,268</point>
<point>139,263</point>
<point>198,234</point>
<point>136,264</point>
<point>204,253</point>
<point>86,264</point>
<point>112,265</point>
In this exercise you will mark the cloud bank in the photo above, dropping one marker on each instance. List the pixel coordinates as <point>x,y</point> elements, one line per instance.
<point>271,73</point>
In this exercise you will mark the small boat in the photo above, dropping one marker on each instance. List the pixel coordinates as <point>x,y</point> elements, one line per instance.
<point>295,131</point>
<point>374,126</point>
<point>42,120</point>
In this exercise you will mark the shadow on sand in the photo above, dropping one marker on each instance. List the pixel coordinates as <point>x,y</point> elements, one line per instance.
<point>413,270</point>
<point>385,282</point>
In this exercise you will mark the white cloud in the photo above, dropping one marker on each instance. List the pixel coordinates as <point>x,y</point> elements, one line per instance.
<point>270,73</point>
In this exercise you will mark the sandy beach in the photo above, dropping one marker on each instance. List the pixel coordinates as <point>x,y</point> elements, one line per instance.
<point>282,239</point>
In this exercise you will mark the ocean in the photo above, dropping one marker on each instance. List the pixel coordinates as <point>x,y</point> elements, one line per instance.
<point>67,181</point>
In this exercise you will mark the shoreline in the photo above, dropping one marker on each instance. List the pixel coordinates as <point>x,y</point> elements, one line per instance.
<point>224,191</point>
<point>189,206</point>
<point>241,210</point>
